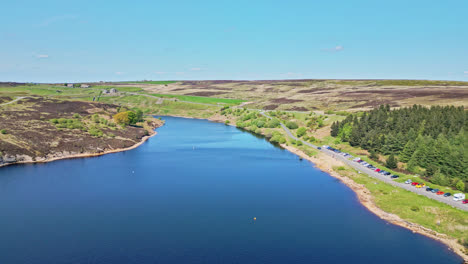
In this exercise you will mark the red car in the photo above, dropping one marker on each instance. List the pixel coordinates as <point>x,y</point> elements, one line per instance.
<point>465,201</point>
<point>414,183</point>
<point>440,193</point>
<point>377,170</point>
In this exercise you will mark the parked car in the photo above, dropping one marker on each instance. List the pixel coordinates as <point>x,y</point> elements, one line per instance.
<point>459,197</point>
<point>423,184</point>
<point>429,189</point>
<point>465,201</point>
<point>440,193</point>
<point>319,148</point>
<point>382,172</point>
<point>394,176</point>
<point>447,194</point>
<point>434,190</point>
<point>415,183</point>
<point>386,173</point>
<point>418,186</point>
<point>408,181</point>
<point>377,170</point>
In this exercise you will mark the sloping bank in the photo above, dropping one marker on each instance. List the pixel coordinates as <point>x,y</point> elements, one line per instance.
<point>24,159</point>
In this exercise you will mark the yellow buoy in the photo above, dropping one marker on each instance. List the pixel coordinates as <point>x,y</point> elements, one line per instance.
<point>255,218</point>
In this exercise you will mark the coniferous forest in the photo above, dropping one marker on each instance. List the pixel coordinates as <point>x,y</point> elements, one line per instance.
<point>431,141</point>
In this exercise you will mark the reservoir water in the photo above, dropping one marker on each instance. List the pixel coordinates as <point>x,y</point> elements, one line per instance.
<point>190,195</point>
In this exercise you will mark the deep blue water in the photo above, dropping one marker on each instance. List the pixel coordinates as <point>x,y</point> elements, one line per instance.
<point>189,195</point>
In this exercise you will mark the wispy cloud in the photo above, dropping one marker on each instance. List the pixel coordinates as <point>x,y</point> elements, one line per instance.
<point>42,56</point>
<point>160,72</point>
<point>465,72</point>
<point>195,69</point>
<point>119,73</point>
<point>55,19</point>
<point>334,49</point>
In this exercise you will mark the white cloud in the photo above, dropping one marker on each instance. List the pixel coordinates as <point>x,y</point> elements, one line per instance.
<point>465,72</point>
<point>119,73</point>
<point>160,72</point>
<point>334,49</point>
<point>42,56</point>
<point>195,69</point>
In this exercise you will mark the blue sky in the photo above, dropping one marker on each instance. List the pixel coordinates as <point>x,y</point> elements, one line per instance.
<point>59,41</point>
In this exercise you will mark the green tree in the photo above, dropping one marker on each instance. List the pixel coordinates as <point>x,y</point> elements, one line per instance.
<point>460,186</point>
<point>440,179</point>
<point>392,162</point>
<point>373,155</point>
<point>412,165</point>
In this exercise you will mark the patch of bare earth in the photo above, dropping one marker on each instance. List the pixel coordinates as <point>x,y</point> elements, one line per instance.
<point>31,136</point>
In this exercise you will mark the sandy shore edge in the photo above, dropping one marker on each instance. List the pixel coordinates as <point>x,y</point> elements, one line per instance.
<point>365,198</point>
<point>85,155</point>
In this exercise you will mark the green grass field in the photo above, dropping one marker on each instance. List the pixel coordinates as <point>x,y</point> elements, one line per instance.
<point>412,207</point>
<point>200,99</point>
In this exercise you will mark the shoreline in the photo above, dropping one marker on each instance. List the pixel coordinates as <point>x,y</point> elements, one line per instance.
<point>365,198</point>
<point>85,155</point>
<point>323,163</point>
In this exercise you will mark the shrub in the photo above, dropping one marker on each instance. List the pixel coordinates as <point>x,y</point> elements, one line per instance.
<point>299,143</point>
<point>260,123</point>
<point>95,132</point>
<point>3,131</point>
<point>240,124</point>
<point>76,115</point>
<point>414,208</point>
<point>272,123</point>
<point>291,125</point>
<point>460,186</point>
<point>54,121</point>
<point>301,131</point>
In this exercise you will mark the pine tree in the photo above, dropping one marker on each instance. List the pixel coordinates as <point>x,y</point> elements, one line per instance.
<point>407,151</point>
<point>412,165</point>
<point>392,162</point>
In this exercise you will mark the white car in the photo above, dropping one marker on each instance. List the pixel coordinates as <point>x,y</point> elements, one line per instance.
<point>458,197</point>
<point>364,163</point>
<point>408,181</point>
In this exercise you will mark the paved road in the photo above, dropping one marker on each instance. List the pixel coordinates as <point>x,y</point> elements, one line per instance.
<point>387,179</point>
<point>17,99</point>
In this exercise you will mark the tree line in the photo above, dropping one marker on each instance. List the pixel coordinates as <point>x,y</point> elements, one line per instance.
<point>431,141</point>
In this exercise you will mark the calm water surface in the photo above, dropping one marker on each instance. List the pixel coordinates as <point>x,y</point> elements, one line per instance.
<point>189,195</point>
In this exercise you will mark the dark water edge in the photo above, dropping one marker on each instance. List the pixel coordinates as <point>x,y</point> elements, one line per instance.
<point>189,195</point>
